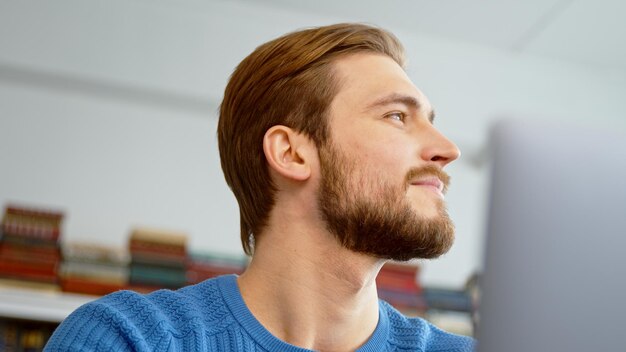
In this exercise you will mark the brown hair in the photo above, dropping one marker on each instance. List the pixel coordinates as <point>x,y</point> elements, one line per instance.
<point>287,81</point>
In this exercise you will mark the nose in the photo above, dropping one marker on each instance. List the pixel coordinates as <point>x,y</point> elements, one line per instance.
<point>438,149</point>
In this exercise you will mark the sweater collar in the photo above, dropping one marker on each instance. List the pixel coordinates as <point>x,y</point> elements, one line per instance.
<point>234,301</point>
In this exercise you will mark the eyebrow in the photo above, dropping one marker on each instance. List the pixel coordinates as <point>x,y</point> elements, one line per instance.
<point>407,100</point>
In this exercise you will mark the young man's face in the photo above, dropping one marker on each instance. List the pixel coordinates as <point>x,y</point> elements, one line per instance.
<point>381,190</point>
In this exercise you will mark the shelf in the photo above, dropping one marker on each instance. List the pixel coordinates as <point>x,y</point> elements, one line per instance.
<point>30,304</point>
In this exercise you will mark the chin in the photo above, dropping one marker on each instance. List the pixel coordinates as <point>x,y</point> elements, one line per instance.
<point>428,213</point>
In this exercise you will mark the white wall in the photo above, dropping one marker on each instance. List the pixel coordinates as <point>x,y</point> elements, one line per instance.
<point>108,110</point>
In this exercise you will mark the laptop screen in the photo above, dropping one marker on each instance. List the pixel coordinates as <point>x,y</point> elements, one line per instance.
<point>555,261</point>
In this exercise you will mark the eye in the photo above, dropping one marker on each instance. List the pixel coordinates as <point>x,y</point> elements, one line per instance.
<point>396,116</point>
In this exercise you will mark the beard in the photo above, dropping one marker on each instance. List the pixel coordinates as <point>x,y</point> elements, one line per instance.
<point>377,219</point>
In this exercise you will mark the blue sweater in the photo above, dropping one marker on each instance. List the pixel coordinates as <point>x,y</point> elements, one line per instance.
<point>212,316</point>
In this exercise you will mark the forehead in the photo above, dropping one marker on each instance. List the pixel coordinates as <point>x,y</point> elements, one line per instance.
<point>366,78</point>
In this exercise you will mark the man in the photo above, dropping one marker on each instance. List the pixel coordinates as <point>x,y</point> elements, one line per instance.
<point>332,155</point>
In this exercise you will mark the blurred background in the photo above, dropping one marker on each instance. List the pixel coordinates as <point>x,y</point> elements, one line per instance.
<point>108,109</point>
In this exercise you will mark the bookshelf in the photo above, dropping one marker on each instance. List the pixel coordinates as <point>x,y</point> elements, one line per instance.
<point>37,305</point>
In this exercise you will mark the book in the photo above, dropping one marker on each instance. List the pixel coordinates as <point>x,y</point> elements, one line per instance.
<point>158,257</point>
<point>402,299</point>
<point>399,283</point>
<point>89,286</point>
<point>32,253</point>
<point>447,299</point>
<point>29,246</point>
<point>158,237</point>
<point>94,269</point>
<point>95,253</point>
<point>30,285</point>
<point>32,222</point>
<point>21,269</point>
<point>94,272</point>
<point>157,276</point>
<point>206,265</point>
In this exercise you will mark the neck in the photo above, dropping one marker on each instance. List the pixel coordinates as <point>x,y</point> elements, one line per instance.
<point>309,291</point>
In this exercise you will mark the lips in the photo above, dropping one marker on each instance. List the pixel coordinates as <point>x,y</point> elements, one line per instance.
<point>433,182</point>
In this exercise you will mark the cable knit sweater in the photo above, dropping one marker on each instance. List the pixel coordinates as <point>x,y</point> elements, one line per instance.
<point>212,316</point>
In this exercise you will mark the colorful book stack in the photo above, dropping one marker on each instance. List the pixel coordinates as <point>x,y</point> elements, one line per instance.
<point>202,266</point>
<point>447,299</point>
<point>93,269</point>
<point>29,245</point>
<point>398,284</point>
<point>158,259</point>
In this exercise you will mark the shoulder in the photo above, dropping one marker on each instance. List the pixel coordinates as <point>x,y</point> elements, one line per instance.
<point>126,320</point>
<point>418,334</point>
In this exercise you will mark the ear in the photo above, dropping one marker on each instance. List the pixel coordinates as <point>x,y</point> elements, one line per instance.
<point>287,152</point>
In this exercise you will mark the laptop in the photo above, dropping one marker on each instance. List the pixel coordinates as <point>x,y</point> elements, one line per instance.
<point>555,260</point>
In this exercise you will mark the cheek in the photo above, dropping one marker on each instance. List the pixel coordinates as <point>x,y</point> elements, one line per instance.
<point>374,166</point>
<point>387,156</point>
<point>382,152</point>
